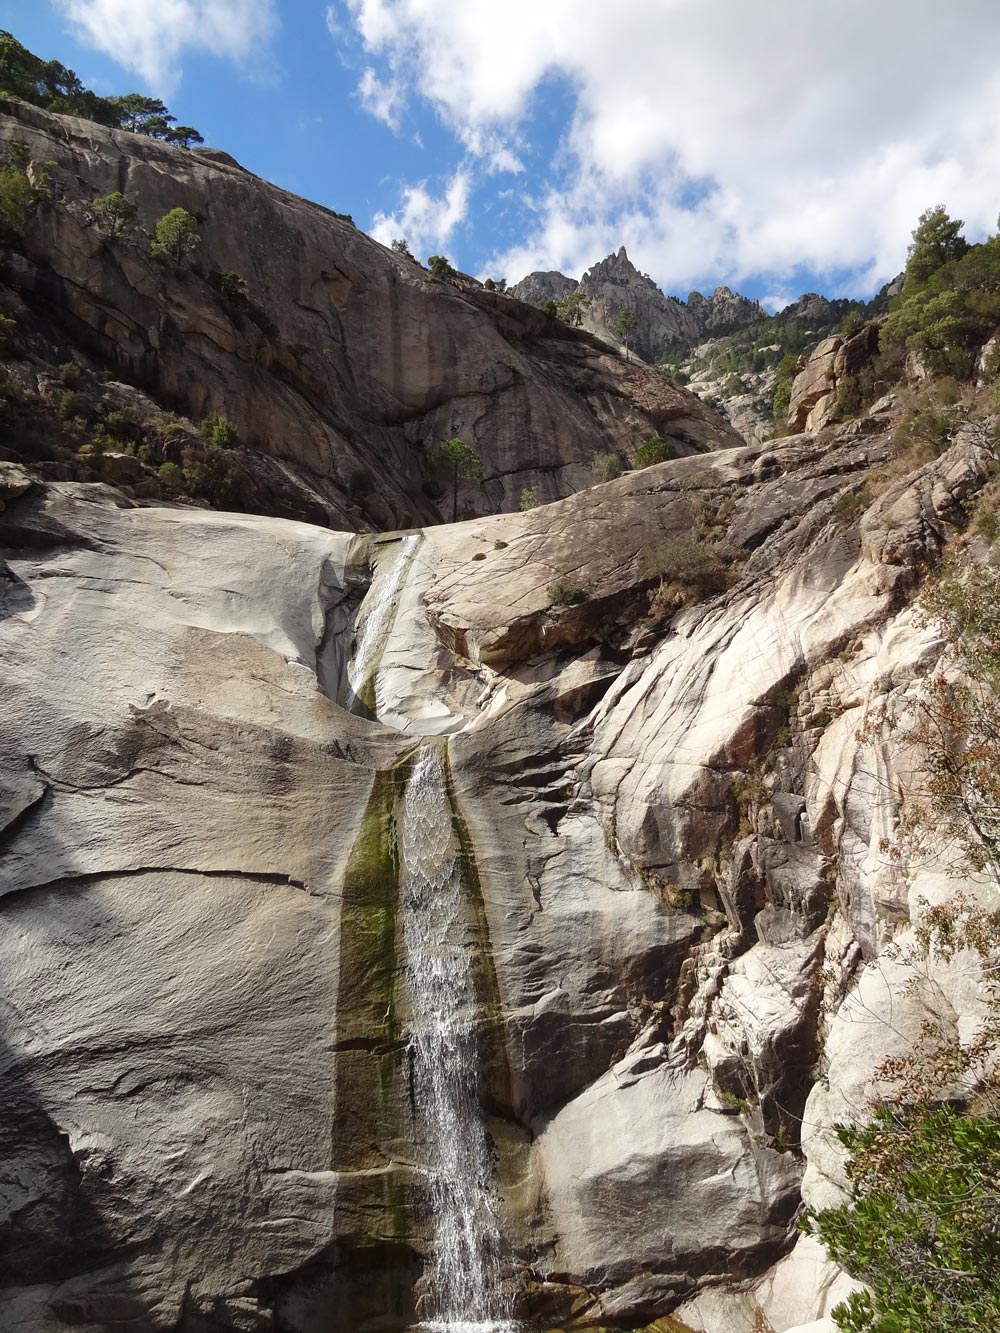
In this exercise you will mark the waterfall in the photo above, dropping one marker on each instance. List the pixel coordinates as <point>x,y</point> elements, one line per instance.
<point>465,1293</point>
<point>376,618</point>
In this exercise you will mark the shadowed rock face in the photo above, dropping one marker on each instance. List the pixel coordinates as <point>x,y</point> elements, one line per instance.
<point>351,364</point>
<point>670,834</point>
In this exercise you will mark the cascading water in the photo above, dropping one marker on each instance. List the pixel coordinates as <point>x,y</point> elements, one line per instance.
<point>376,619</point>
<point>465,1292</point>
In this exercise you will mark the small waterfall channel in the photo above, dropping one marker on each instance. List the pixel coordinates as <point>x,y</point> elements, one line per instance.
<point>375,622</point>
<point>465,1291</point>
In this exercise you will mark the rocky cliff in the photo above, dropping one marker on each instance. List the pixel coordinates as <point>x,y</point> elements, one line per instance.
<point>341,365</point>
<point>661,321</point>
<point>669,829</point>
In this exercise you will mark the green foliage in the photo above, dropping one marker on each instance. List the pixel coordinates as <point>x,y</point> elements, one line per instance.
<point>570,308</point>
<point>48,84</point>
<point>9,335</point>
<point>548,307</point>
<point>529,498</point>
<point>925,421</point>
<point>400,247</point>
<point>462,462</point>
<point>853,322</point>
<point>176,235</point>
<point>74,405</point>
<point>440,267</point>
<point>690,568</point>
<point>784,375</point>
<point>923,1226</point>
<point>951,313</point>
<point>654,449</point>
<point>70,375</point>
<point>566,591</point>
<point>625,327</point>
<point>209,472</point>
<point>149,116</point>
<point>114,212</point>
<point>937,240</point>
<point>849,506</point>
<point>220,431</point>
<point>229,285</point>
<point>232,287</point>
<point>171,476</point>
<point>584,380</point>
<point>119,427</point>
<point>16,199</point>
<point>606,467</point>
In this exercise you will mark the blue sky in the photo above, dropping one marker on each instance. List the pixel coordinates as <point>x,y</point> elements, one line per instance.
<point>722,141</point>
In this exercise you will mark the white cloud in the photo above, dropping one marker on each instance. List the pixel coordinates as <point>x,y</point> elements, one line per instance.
<point>723,138</point>
<point>425,222</point>
<point>381,98</point>
<point>152,39</point>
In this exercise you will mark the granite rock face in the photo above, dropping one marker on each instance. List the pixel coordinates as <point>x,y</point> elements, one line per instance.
<point>208,1122</point>
<point>344,366</point>
<point>815,388</point>
<point>615,284</point>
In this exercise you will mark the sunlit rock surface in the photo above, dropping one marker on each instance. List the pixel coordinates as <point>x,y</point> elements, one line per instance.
<point>675,890</point>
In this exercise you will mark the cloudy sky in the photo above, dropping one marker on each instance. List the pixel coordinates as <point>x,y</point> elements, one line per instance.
<point>776,146</point>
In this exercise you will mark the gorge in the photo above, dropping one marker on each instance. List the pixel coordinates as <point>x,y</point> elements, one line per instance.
<point>475,926</point>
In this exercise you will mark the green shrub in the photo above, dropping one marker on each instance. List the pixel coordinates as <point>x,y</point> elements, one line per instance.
<point>210,473</point>
<point>925,421</point>
<point>119,426</point>
<point>922,1229</point>
<point>606,467</point>
<point>176,235</point>
<point>171,476</point>
<point>853,322</point>
<point>548,307</point>
<point>529,498</point>
<point>440,267</point>
<point>654,449</point>
<point>584,381</point>
<point>566,591</point>
<point>220,430</point>
<point>70,375</point>
<point>849,506</point>
<point>230,286</point>
<point>9,335</point>
<point>785,373</point>
<point>16,199</point>
<point>73,405</point>
<point>114,212</point>
<point>689,567</point>
<point>947,316</point>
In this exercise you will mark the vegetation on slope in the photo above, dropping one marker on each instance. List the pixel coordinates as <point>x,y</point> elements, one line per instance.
<point>922,1227</point>
<point>48,84</point>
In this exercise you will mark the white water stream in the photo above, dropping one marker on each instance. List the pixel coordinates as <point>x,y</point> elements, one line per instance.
<point>465,1291</point>
<point>377,611</point>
